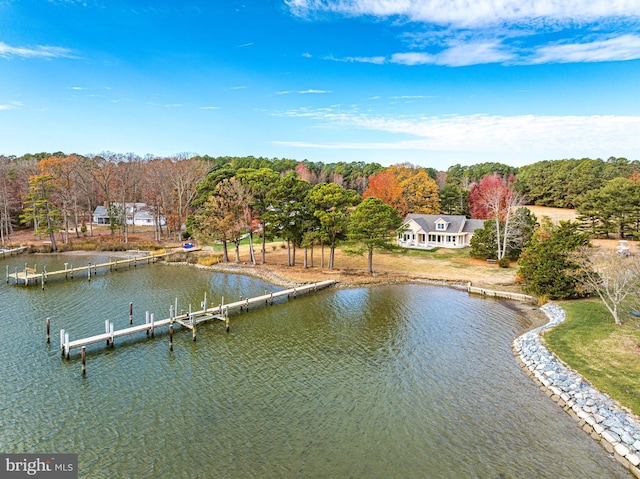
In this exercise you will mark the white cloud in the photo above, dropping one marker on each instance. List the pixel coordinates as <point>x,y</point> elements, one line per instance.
<point>209,107</point>
<point>173,105</point>
<point>477,13</point>
<point>39,51</point>
<point>378,60</point>
<point>621,48</point>
<point>463,32</point>
<point>11,105</point>
<point>551,136</point>
<point>302,92</point>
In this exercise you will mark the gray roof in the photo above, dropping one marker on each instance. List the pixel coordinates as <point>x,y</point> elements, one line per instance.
<point>100,211</point>
<point>471,225</point>
<point>456,223</point>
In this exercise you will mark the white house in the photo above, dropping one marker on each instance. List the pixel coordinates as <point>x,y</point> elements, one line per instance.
<point>437,231</point>
<point>137,214</point>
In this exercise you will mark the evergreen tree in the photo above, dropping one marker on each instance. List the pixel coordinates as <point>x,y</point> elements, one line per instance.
<point>372,225</point>
<point>547,267</point>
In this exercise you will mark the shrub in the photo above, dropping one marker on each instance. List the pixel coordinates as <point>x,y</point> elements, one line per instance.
<point>503,262</point>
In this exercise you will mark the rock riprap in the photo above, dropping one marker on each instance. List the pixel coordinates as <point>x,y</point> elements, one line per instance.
<point>599,415</point>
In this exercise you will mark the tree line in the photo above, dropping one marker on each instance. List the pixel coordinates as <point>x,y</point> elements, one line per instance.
<point>310,205</point>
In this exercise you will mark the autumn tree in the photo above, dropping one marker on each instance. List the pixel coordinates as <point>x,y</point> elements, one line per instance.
<point>484,243</point>
<point>65,172</point>
<point>419,190</point>
<point>492,198</point>
<point>102,171</point>
<point>185,177</point>
<point>221,218</point>
<point>9,197</point>
<point>386,187</point>
<point>372,226</point>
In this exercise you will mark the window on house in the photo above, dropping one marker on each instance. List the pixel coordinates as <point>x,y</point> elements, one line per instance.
<point>441,226</point>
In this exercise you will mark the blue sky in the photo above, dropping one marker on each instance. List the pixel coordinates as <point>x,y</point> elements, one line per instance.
<point>432,82</point>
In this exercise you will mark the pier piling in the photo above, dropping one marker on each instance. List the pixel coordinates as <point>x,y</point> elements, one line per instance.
<point>188,320</point>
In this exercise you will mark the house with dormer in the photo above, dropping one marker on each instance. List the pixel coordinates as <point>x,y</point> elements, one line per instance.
<point>437,231</point>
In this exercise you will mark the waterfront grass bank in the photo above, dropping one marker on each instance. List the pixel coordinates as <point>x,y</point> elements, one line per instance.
<point>606,354</point>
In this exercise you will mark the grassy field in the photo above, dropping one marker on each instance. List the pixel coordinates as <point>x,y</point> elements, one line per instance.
<point>608,356</point>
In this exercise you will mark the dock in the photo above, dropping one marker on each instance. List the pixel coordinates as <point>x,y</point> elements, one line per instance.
<point>31,275</point>
<point>10,251</point>
<point>500,294</point>
<point>189,320</point>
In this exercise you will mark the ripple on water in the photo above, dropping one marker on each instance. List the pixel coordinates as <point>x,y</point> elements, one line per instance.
<point>403,381</point>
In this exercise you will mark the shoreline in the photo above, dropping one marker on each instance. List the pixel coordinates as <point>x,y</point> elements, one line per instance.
<point>606,421</point>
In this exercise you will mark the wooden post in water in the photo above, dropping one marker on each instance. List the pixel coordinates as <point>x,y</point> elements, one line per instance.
<point>71,271</point>
<point>171,337</point>
<point>226,319</point>
<point>146,320</point>
<point>130,313</point>
<point>7,274</point>
<point>48,330</point>
<point>152,321</point>
<point>106,329</point>
<point>271,299</point>
<point>42,281</point>
<point>113,343</point>
<point>240,304</point>
<point>66,345</point>
<point>89,272</point>
<point>83,354</point>
<point>61,341</point>
<point>193,326</point>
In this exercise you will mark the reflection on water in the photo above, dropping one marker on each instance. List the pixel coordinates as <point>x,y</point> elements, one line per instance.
<point>390,381</point>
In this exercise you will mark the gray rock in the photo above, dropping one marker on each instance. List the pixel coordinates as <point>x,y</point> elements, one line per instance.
<point>627,438</point>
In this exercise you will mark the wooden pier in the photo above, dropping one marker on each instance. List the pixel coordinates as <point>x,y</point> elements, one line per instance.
<point>10,251</point>
<point>500,294</point>
<point>31,275</point>
<point>189,320</point>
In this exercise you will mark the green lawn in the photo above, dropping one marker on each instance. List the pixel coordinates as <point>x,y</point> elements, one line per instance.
<point>437,253</point>
<point>608,356</point>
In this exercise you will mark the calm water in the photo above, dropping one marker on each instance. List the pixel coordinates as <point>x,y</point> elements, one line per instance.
<point>392,381</point>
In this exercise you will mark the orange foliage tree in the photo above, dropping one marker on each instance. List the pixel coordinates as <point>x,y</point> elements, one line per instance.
<point>419,190</point>
<point>385,186</point>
